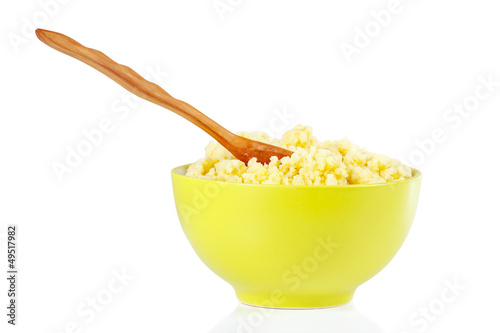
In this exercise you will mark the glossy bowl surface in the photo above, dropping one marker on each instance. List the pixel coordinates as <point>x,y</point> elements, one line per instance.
<point>295,246</point>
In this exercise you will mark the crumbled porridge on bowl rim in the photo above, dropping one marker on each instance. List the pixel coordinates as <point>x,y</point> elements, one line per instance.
<point>337,162</point>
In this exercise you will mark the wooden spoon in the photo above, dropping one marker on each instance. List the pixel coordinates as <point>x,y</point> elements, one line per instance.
<point>242,148</point>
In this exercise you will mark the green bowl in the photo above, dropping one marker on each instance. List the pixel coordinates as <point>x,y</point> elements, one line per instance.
<point>295,246</point>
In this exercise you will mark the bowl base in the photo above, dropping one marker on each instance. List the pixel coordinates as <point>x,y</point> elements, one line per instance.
<point>280,301</point>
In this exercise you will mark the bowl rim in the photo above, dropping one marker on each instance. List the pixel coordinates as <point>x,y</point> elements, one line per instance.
<point>177,172</point>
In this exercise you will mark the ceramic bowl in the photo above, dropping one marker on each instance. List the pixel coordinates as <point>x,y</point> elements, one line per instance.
<point>295,246</point>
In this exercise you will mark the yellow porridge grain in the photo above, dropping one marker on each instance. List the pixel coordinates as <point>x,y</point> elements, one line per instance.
<point>338,162</point>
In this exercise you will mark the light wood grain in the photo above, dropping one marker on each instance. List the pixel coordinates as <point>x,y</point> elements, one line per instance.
<point>242,148</point>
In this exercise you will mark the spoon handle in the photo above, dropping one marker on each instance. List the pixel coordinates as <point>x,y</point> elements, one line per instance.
<point>133,82</point>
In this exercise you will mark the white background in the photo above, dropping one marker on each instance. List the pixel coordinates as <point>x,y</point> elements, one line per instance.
<point>115,209</point>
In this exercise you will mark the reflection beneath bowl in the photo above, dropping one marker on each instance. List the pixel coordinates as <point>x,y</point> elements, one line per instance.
<point>341,319</point>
